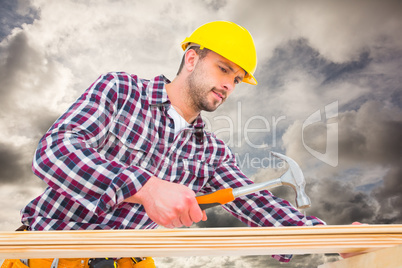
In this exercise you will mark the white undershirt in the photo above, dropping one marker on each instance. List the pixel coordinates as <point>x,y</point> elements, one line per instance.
<point>179,122</point>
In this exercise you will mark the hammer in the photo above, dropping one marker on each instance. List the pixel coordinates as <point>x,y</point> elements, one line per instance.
<point>293,177</point>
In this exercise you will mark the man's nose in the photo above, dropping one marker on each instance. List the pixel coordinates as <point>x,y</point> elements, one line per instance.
<point>228,84</point>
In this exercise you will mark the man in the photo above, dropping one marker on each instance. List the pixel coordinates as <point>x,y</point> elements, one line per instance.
<point>132,153</point>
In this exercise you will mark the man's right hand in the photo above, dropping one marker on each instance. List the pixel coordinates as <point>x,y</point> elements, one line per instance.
<point>168,204</point>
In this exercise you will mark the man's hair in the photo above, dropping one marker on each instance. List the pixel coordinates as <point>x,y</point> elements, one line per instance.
<point>200,52</point>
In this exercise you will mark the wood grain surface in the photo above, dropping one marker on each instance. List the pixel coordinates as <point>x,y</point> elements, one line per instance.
<point>199,242</point>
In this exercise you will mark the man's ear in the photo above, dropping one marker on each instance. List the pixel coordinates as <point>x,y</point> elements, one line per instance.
<point>191,59</point>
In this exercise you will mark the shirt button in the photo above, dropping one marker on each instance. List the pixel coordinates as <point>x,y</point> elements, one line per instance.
<point>129,140</point>
<point>165,165</point>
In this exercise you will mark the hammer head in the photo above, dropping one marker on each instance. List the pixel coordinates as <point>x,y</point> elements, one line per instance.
<point>294,177</point>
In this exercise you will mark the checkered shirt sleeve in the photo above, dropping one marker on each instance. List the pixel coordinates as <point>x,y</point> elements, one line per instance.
<point>68,157</point>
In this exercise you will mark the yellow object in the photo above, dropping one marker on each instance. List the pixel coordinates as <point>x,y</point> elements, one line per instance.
<point>128,263</point>
<point>63,263</point>
<point>46,263</point>
<point>75,263</point>
<point>229,40</point>
<point>11,263</point>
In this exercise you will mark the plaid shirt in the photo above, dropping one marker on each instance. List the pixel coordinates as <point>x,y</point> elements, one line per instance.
<point>112,140</point>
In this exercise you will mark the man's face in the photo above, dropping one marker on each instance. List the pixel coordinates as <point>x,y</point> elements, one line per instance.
<point>212,81</point>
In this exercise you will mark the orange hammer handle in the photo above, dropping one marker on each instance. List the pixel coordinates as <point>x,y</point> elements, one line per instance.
<point>217,198</point>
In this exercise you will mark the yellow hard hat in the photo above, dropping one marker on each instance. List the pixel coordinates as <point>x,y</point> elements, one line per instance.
<point>229,40</point>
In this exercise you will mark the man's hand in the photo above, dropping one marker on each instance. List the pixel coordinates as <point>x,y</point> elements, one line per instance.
<point>168,204</point>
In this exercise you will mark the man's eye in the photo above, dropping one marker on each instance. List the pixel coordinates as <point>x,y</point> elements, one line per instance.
<point>237,81</point>
<point>223,69</point>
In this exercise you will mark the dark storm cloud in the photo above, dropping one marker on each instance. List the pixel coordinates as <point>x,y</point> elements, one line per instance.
<point>300,55</point>
<point>370,127</point>
<point>368,138</point>
<point>40,121</point>
<point>370,135</point>
<point>215,4</point>
<point>15,66</point>
<point>26,76</point>
<point>389,196</point>
<point>23,119</point>
<point>15,13</point>
<point>339,203</point>
<point>293,54</point>
<point>337,71</point>
<point>13,166</point>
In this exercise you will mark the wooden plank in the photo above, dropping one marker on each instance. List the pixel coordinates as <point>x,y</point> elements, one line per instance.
<point>300,240</point>
<point>199,242</point>
<point>234,239</point>
<point>220,232</point>
<point>385,258</point>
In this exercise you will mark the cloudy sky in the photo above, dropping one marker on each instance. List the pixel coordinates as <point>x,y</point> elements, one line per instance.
<point>329,95</point>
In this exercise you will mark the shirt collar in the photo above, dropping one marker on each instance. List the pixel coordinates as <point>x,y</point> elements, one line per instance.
<point>198,122</point>
<point>157,95</point>
<point>156,90</point>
